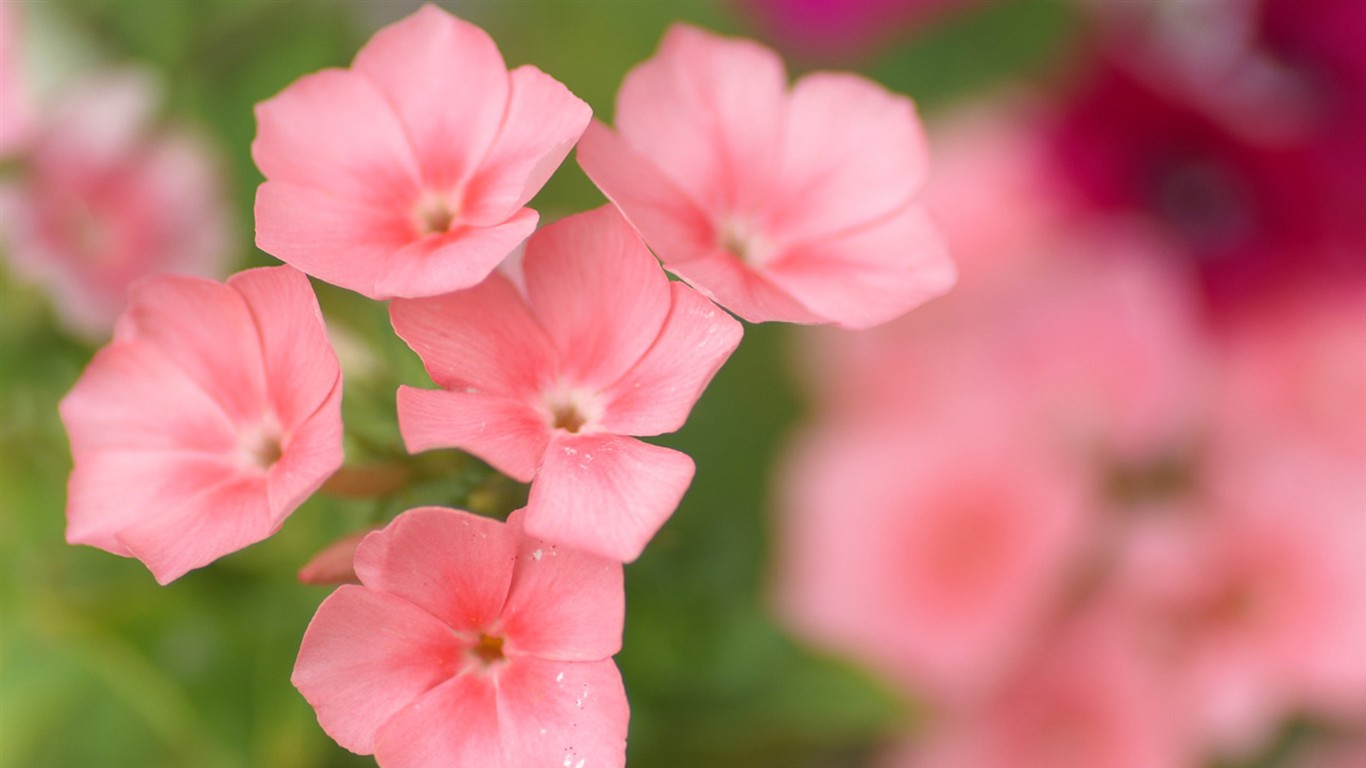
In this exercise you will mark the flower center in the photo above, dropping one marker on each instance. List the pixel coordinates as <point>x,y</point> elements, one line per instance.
<point>488,650</point>
<point>570,409</point>
<point>261,446</point>
<point>740,238</point>
<point>434,213</point>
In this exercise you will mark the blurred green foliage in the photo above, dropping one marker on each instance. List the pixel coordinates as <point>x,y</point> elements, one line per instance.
<point>101,667</point>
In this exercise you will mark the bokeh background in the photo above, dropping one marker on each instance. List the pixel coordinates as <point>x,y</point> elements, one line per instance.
<point>101,667</point>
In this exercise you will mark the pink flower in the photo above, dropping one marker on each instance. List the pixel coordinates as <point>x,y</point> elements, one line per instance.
<point>470,643</point>
<point>546,384</point>
<point>407,175</point>
<point>100,200</point>
<point>16,119</point>
<point>785,205</point>
<point>933,551</point>
<point>213,414</point>
<point>1088,700</point>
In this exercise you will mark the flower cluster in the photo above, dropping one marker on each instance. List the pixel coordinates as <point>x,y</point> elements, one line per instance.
<point>216,410</point>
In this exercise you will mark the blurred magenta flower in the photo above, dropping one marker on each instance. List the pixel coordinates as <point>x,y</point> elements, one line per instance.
<point>407,175</point>
<point>932,548</point>
<point>100,198</point>
<point>1239,134</point>
<point>841,28</point>
<point>799,205</point>
<point>470,643</point>
<point>211,416</point>
<point>16,109</point>
<point>545,376</point>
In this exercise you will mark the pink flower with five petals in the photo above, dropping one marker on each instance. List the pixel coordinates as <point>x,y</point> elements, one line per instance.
<point>408,174</point>
<point>211,416</point>
<point>798,205</point>
<point>470,643</point>
<point>546,385</point>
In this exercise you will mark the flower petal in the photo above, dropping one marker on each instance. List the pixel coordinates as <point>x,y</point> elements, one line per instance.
<point>726,280</point>
<point>341,241</point>
<point>334,132</point>
<point>871,275</point>
<point>506,433</point>
<point>452,564</point>
<point>483,338</point>
<point>854,153</point>
<point>605,494</point>
<point>564,604</point>
<point>542,123</point>
<point>708,110</point>
<point>365,657</point>
<point>555,714</point>
<point>448,84</point>
<point>656,395</point>
<point>455,724</point>
<point>597,291</point>
<point>206,330</point>
<point>222,519</point>
<point>309,454</point>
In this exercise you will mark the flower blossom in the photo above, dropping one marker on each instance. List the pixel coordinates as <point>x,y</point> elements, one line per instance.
<point>469,642</point>
<point>548,384</point>
<point>797,205</point>
<point>213,414</point>
<point>407,174</point>
<point>99,200</point>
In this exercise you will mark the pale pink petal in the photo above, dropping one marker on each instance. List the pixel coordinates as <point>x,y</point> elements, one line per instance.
<point>205,328</point>
<point>448,85</point>
<point>597,291</point>
<point>656,395</point>
<point>564,604</point>
<point>555,714</point>
<point>868,276</point>
<point>708,111</point>
<point>334,132</point>
<point>542,123</point>
<point>440,264</point>
<point>365,657</point>
<point>452,564</point>
<point>853,153</point>
<point>506,433</point>
<point>673,225</point>
<point>605,494</point>
<point>483,338</point>
<point>309,453</point>
<point>301,368</point>
<point>729,282</point>
<point>133,397</point>
<point>217,521</point>
<point>111,490</point>
<point>341,241</point>
<point>455,724</point>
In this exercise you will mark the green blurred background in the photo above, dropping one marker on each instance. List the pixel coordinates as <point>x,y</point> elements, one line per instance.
<point>101,667</point>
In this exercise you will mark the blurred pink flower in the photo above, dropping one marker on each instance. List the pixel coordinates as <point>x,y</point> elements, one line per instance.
<point>797,205</point>
<point>1086,701</point>
<point>1254,599</point>
<point>932,549</point>
<point>100,199</point>
<point>212,415</point>
<point>16,111</point>
<point>546,383</point>
<point>407,175</point>
<point>470,643</point>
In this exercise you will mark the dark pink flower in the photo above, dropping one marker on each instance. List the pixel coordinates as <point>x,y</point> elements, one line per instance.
<point>785,204</point>
<point>99,200</point>
<point>408,174</point>
<point>211,416</point>
<point>469,643</point>
<point>547,377</point>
